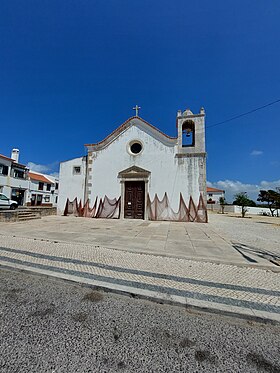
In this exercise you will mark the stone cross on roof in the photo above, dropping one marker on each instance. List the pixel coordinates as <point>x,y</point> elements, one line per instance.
<point>136,108</point>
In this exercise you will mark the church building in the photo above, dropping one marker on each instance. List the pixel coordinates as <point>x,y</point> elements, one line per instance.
<point>139,172</point>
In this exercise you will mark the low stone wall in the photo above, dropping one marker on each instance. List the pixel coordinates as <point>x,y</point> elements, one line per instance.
<point>13,215</point>
<point>237,209</point>
<point>44,211</point>
<point>8,216</point>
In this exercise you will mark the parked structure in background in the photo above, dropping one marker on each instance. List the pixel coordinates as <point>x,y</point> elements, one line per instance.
<point>139,172</point>
<point>14,181</point>
<point>27,187</point>
<point>214,195</point>
<point>43,190</point>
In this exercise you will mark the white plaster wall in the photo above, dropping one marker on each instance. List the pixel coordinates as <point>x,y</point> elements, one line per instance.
<point>71,186</point>
<point>254,210</point>
<point>215,196</point>
<point>34,189</point>
<point>8,182</point>
<point>168,173</point>
<point>4,184</point>
<point>237,209</point>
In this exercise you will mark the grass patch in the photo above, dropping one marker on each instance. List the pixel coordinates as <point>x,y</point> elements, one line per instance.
<point>93,296</point>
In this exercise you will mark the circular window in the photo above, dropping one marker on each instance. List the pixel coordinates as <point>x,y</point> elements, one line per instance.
<point>136,147</point>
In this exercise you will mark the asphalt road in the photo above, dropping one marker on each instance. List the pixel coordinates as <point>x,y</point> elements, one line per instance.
<point>47,325</point>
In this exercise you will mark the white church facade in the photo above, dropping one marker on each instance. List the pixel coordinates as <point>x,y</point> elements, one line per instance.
<point>138,172</point>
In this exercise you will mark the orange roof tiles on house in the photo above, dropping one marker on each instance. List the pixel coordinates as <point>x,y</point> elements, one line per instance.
<point>13,161</point>
<point>122,126</point>
<point>7,158</point>
<point>41,178</point>
<point>209,189</point>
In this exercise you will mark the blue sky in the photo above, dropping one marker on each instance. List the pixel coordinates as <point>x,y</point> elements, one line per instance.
<point>71,71</point>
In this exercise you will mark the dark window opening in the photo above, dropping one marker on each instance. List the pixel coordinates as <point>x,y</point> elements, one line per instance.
<point>136,148</point>
<point>19,174</point>
<point>41,186</point>
<point>188,134</point>
<point>4,170</point>
<point>39,199</point>
<point>48,187</point>
<point>76,170</point>
<point>56,185</point>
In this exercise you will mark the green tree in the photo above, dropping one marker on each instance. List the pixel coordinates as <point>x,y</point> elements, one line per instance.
<point>271,198</point>
<point>243,201</point>
<point>222,202</point>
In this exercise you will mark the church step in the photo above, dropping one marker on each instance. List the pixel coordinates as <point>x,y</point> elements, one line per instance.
<point>24,218</point>
<point>26,213</point>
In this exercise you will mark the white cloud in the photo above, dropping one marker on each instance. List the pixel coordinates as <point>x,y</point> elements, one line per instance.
<point>54,174</point>
<point>270,184</point>
<point>38,167</point>
<point>256,152</point>
<point>232,187</point>
<point>49,169</point>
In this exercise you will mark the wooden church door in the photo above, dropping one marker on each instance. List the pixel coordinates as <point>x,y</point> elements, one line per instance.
<point>134,199</point>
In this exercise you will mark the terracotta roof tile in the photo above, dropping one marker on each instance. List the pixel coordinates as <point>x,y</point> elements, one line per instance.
<point>209,189</point>
<point>7,158</point>
<point>41,178</point>
<point>13,161</point>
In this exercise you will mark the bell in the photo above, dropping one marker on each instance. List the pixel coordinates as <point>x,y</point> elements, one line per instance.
<point>189,131</point>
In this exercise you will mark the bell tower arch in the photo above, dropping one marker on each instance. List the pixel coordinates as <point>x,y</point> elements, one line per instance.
<point>191,131</point>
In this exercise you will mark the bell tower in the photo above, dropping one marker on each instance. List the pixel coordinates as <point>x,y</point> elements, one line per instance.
<point>191,132</point>
<point>191,150</point>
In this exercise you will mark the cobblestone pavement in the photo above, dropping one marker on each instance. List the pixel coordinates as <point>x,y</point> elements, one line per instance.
<point>47,325</point>
<point>246,291</point>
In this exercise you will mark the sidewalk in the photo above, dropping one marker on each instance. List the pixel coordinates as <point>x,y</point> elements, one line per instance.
<point>243,291</point>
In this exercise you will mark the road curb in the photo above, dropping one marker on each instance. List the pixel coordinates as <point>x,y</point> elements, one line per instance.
<point>161,298</point>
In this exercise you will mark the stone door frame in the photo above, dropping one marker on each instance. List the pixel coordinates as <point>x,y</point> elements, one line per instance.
<point>134,173</point>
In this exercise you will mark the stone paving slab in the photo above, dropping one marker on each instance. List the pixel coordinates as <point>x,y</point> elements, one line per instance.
<point>250,292</point>
<point>185,240</point>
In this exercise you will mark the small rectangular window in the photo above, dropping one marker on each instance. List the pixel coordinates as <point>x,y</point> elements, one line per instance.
<point>3,169</point>
<point>19,174</point>
<point>48,187</point>
<point>56,186</point>
<point>41,186</point>
<point>76,170</point>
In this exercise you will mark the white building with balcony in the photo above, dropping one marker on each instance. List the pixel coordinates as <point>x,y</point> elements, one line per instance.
<point>27,187</point>
<point>214,195</point>
<point>14,182</point>
<point>43,190</point>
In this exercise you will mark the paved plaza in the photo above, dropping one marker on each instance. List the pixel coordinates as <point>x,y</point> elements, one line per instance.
<point>202,266</point>
<point>224,239</point>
